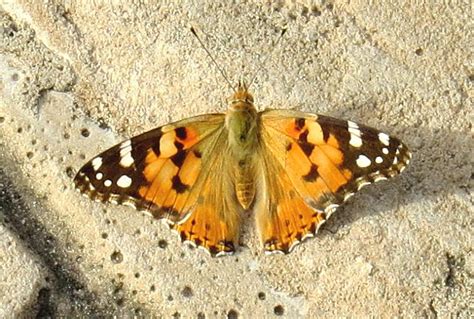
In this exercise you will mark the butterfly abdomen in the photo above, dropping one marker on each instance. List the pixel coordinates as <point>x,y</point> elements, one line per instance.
<point>245,183</point>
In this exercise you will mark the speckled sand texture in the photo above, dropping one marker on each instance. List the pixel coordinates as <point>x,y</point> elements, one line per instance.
<point>76,78</point>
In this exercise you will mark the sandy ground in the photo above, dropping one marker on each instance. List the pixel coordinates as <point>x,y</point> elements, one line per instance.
<point>76,78</point>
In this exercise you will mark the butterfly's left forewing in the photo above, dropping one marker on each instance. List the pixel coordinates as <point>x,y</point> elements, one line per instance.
<point>310,165</point>
<point>145,170</point>
<point>168,172</point>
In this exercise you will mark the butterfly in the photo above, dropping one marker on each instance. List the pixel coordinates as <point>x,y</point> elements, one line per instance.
<point>201,174</point>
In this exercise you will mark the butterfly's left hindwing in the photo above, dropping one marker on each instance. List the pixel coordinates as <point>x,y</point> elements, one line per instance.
<point>312,164</point>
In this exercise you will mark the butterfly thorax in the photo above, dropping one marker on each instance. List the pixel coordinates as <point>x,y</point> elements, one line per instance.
<point>242,126</point>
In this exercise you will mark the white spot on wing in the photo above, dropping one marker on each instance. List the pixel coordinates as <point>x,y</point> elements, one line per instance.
<point>348,195</point>
<point>96,163</point>
<point>224,253</point>
<point>126,144</point>
<point>124,181</point>
<point>293,245</point>
<point>384,138</point>
<point>126,159</point>
<point>99,176</point>
<point>184,219</point>
<point>274,252</point>
<point>308,235</point>
<point>107,183</point>
<point>378,159</point>
<point>363,161</point>
<point>362,183</point>
<point>330,209</point>
<point>355,140</point>
<point>352,125</point>
<point>385,150</point>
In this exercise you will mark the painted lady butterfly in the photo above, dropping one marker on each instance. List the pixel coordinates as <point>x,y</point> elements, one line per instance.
<point>292,169</point>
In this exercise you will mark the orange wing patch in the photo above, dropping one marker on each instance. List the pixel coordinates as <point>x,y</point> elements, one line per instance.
<point>177,139</point>
<point>311,165</point>
<point>156,170</point>
<point>170,169</point>
<point>312,160</point>
<point>203,230</point>
<point>169,172</point>
<point>215,218</point>
<point>284,219</point>
<point>169,180</point>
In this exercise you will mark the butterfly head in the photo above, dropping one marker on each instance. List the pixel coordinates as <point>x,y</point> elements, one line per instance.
<point>241,97</point>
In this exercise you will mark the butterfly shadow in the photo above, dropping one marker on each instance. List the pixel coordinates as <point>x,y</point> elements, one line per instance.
<point>441,166</point>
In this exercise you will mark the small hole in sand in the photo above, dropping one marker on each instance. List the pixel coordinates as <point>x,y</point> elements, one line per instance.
<point>304,11</point>
<point>232,314</point>
<point>69,172</point>
<point>85,132</point>
<point>162,244</point>
<point>187,292</point>
<point>116,257</point>
<point>315,11</point>
<point>279,310</point>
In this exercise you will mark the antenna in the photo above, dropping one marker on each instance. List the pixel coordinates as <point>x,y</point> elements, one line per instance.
<point>212,58</point>
<point>266,58</point>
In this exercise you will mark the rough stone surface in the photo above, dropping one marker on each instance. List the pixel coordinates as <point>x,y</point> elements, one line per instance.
<point>77,77</point>
<point>21,276</point>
